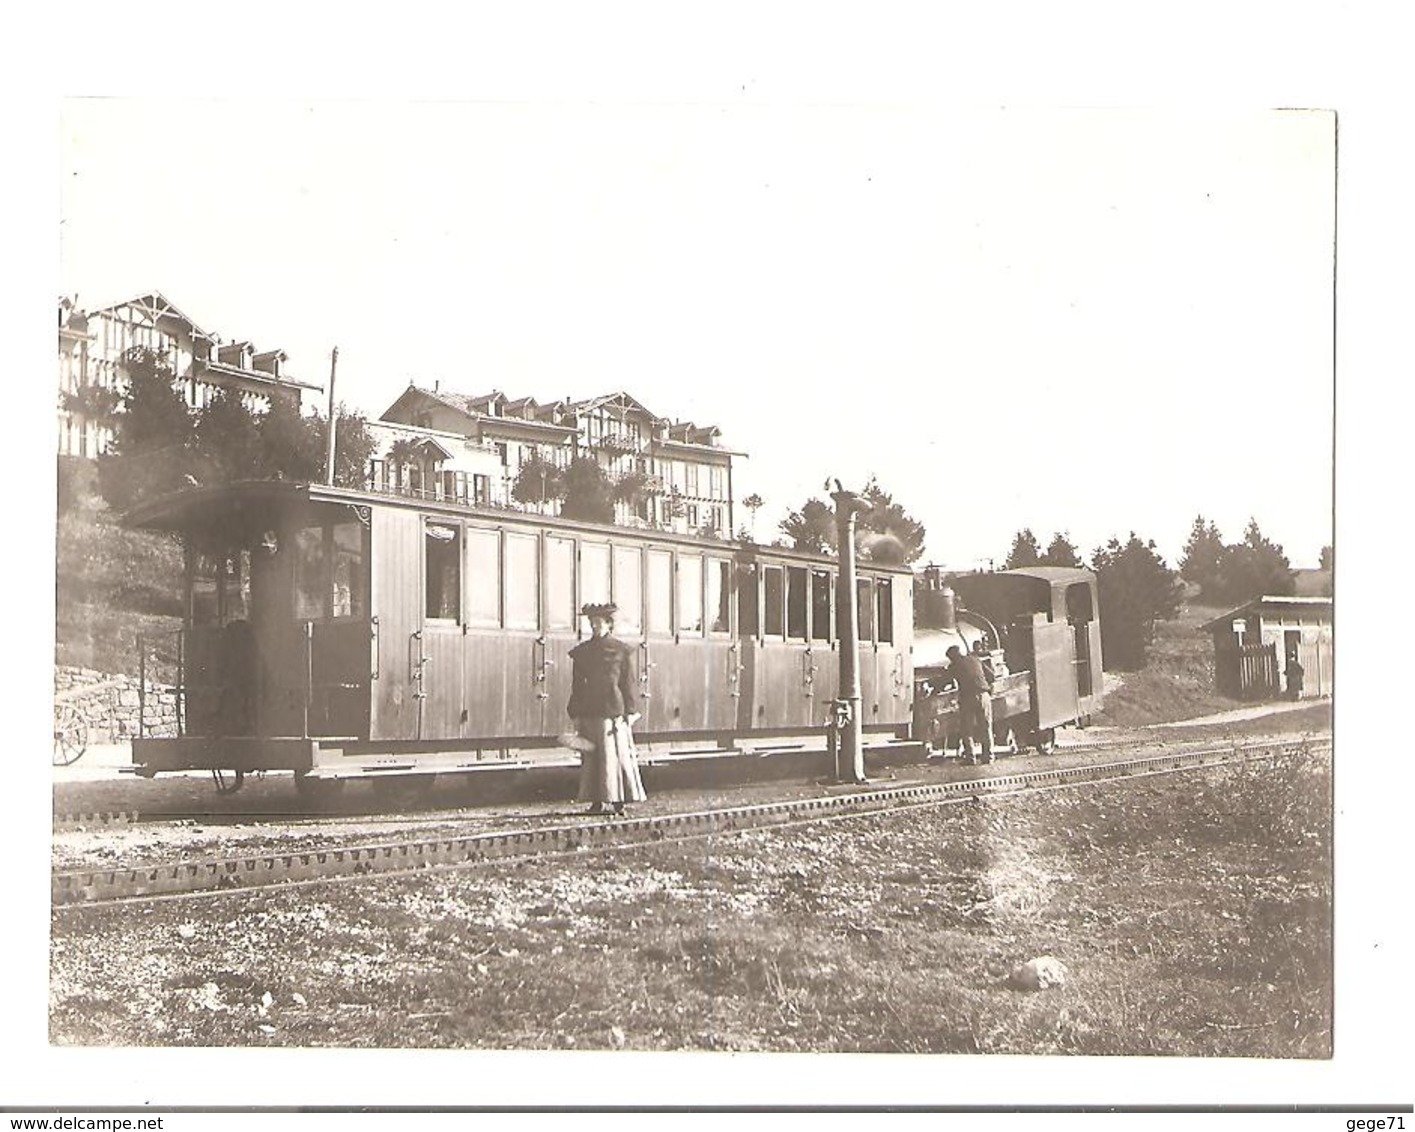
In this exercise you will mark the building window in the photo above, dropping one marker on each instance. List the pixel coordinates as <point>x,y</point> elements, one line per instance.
<point>443,572</point>
<point>691,514</point>
<point>718,482</point>
<point>691,474</point>
<point>483,577</point>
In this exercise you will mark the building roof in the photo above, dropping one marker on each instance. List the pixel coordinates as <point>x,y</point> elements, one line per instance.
<point>1052,575</point>
<point>163,307</point>
<point>1272,603</point>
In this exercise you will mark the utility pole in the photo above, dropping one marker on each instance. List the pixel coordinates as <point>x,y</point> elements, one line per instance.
<point>850,755</point>
<point>329,452</point>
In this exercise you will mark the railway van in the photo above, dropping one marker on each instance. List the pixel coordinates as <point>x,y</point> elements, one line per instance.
<point>338,633</point>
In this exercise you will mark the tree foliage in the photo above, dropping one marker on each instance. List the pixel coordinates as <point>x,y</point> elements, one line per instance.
<point>1137,589</point>
<point>884,531</point>
<point>1025,550</point>
<point>1061,551</point>
<point>589,496</point>
<point>1252,568</point>
<point>161,445</point>
<point>538,482</point>
<point>1203,554</point>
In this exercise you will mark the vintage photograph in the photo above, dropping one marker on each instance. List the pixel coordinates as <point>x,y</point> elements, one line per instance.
<point>737,576</point>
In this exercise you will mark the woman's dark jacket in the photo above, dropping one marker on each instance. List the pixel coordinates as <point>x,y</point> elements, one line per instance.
<point>604,684</point>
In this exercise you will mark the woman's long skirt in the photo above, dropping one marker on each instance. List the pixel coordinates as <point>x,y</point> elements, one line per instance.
<point>610,773</point>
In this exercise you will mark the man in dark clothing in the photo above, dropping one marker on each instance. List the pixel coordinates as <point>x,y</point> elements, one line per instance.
<point>1294,675</point>
<point>974,702</point>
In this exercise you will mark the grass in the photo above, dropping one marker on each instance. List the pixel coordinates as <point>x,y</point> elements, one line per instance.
<point>1177,681</point>
<point>112,584</point>
<point>1193,913</point>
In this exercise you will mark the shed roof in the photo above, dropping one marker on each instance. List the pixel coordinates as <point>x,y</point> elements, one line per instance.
<point>1272,603</point>
<point>1052,575</point>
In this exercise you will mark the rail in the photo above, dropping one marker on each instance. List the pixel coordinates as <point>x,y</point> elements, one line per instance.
<point>192,878</point>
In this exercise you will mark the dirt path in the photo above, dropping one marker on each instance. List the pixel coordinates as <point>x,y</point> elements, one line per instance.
<point>1237,715</point>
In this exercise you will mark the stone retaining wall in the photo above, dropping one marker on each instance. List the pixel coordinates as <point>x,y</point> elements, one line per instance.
<point>109,703</point>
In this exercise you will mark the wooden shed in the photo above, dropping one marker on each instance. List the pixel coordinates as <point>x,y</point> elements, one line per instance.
<point>1255,644</point>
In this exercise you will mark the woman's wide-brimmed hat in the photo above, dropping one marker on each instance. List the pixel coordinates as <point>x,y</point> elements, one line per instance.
<point>599,609</point>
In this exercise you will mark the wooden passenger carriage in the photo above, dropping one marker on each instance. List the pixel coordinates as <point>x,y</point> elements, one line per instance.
<point>338,633</point>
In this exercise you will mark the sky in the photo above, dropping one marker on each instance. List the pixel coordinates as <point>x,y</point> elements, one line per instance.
<point>1081,320</point>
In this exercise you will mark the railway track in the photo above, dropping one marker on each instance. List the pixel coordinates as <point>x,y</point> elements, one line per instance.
<point>93,886</point>
<point>285,811</point>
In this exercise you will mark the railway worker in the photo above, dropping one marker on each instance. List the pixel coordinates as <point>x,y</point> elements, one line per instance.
<point>604,703</point>
<point>974,703</point>
<point>1294,674</point>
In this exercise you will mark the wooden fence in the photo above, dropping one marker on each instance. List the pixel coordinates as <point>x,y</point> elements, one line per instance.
<point>1247,672</point>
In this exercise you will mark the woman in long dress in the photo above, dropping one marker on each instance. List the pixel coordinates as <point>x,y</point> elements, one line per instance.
<point>604,703</point>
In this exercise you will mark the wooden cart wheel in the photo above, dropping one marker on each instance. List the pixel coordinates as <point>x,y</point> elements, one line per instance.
<point>70,735</point>
<point>1004,740</point>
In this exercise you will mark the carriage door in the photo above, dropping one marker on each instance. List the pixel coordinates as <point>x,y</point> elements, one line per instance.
<point>438,679</point>
<point>562,618</point>
<point>748,641</point>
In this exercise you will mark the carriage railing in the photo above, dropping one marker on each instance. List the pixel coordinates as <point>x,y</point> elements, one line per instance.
<point>161,658</point>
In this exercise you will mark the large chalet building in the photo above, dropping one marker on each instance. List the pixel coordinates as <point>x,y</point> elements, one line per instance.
<point>92,345</point>
<point>672,475</point>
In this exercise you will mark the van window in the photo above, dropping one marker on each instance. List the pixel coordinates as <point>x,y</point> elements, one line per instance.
<point>442,561</point>
<point>719,595</point>
<point>865,607</point>
<point>628,590</point>
<point>774,583</point>
<point>884,610</point>
<point>821,584</point>
<point>522,581</point>
<point>797,601</point>
<point>660,592</point>
<point>690,594</point>
<point>309,573</point>
<point>749,622</point>
<point>347,583</point>
<point>560,612</point>
<point>594,573</point>
<point>483,577</point>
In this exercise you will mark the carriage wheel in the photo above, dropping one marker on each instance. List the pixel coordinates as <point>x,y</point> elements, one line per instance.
<point>1004,740</point>
<point>225,785</point>
<point>70,735</point>
<point>1045,741</point>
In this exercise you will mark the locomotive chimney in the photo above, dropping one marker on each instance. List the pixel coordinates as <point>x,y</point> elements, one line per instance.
<point>948,609</point>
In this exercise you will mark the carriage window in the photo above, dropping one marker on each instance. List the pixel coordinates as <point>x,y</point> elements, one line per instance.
<point>866,609</point>
<point>796,602</point>
<point>483,577</point>
<point>748,607</point>
<point>594,573</point>
<point>560,583</point>
<point>205,609</point>
<point>660,586</point>
<point>348,579</point>
<point>719,595</point>
<point>310,573</point>
<point>443,566</point>
<point>235,587</point>
<point>690,594</point>
<point>628,590</point>
<point>775,602</point>
<point>820,605</point>
<point>522,584</point>
<point>884,609</point>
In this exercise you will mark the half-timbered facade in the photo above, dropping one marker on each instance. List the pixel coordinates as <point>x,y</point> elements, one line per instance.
<point>93,344</point>
<point>669,475</point>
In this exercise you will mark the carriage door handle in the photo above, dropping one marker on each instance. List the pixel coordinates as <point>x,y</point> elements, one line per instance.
<point>419,666</point>
<point>644,666</point>
<point>808,672</point>
<point>734,669</point>
<point>543,667</point>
